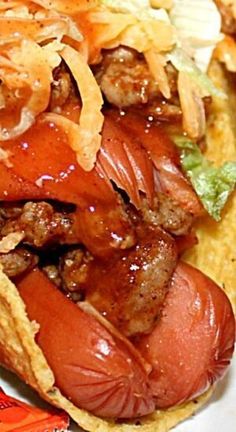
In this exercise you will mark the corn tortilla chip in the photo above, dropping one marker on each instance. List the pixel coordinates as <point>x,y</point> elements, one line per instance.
<point>215,254</point>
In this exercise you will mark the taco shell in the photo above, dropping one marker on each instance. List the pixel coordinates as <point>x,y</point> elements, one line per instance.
<point>214,255</point>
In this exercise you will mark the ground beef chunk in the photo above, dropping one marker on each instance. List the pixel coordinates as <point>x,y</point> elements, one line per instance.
<point>167,214</point>
<point>10,210</point>
<point>73,269</point>
<point>61,88</point>
<point>125,79</point>
<point>52,273</point>
<point>162,110</point>
<point>164,213</point>
<point>128,289</point>
<point>42,225</point>
<point>18,261</point>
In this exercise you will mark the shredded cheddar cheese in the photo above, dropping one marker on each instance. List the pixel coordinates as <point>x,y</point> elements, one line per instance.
<point>157,63</point>
<point>24,68</point>
<point>10,241</point>
<point>88,139</point>
<point>37,35</point>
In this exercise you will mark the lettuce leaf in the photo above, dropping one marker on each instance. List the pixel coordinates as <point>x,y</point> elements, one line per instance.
<point>183,63</point>
<point>198,24</point>
<point>212,184</point>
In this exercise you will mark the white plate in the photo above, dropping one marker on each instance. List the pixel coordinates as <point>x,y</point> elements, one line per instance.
<point>217,416</point>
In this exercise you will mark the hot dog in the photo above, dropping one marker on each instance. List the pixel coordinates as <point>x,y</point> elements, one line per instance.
<point>97,371</point>
<point>189,349</point>
<point>199,321</point>
<point>99,204</point>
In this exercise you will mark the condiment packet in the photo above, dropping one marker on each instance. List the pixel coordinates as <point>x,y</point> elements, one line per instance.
<point>16,416</point>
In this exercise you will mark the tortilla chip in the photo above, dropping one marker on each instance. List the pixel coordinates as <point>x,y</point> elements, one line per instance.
<point>214,255</point>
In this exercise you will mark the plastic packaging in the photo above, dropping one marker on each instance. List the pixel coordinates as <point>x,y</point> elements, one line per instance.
<point>16,416</point>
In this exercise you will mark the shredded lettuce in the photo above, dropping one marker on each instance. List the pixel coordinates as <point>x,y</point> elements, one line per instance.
<point>183,63</point>
<point>212,184</point>
<point>198,23</point>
